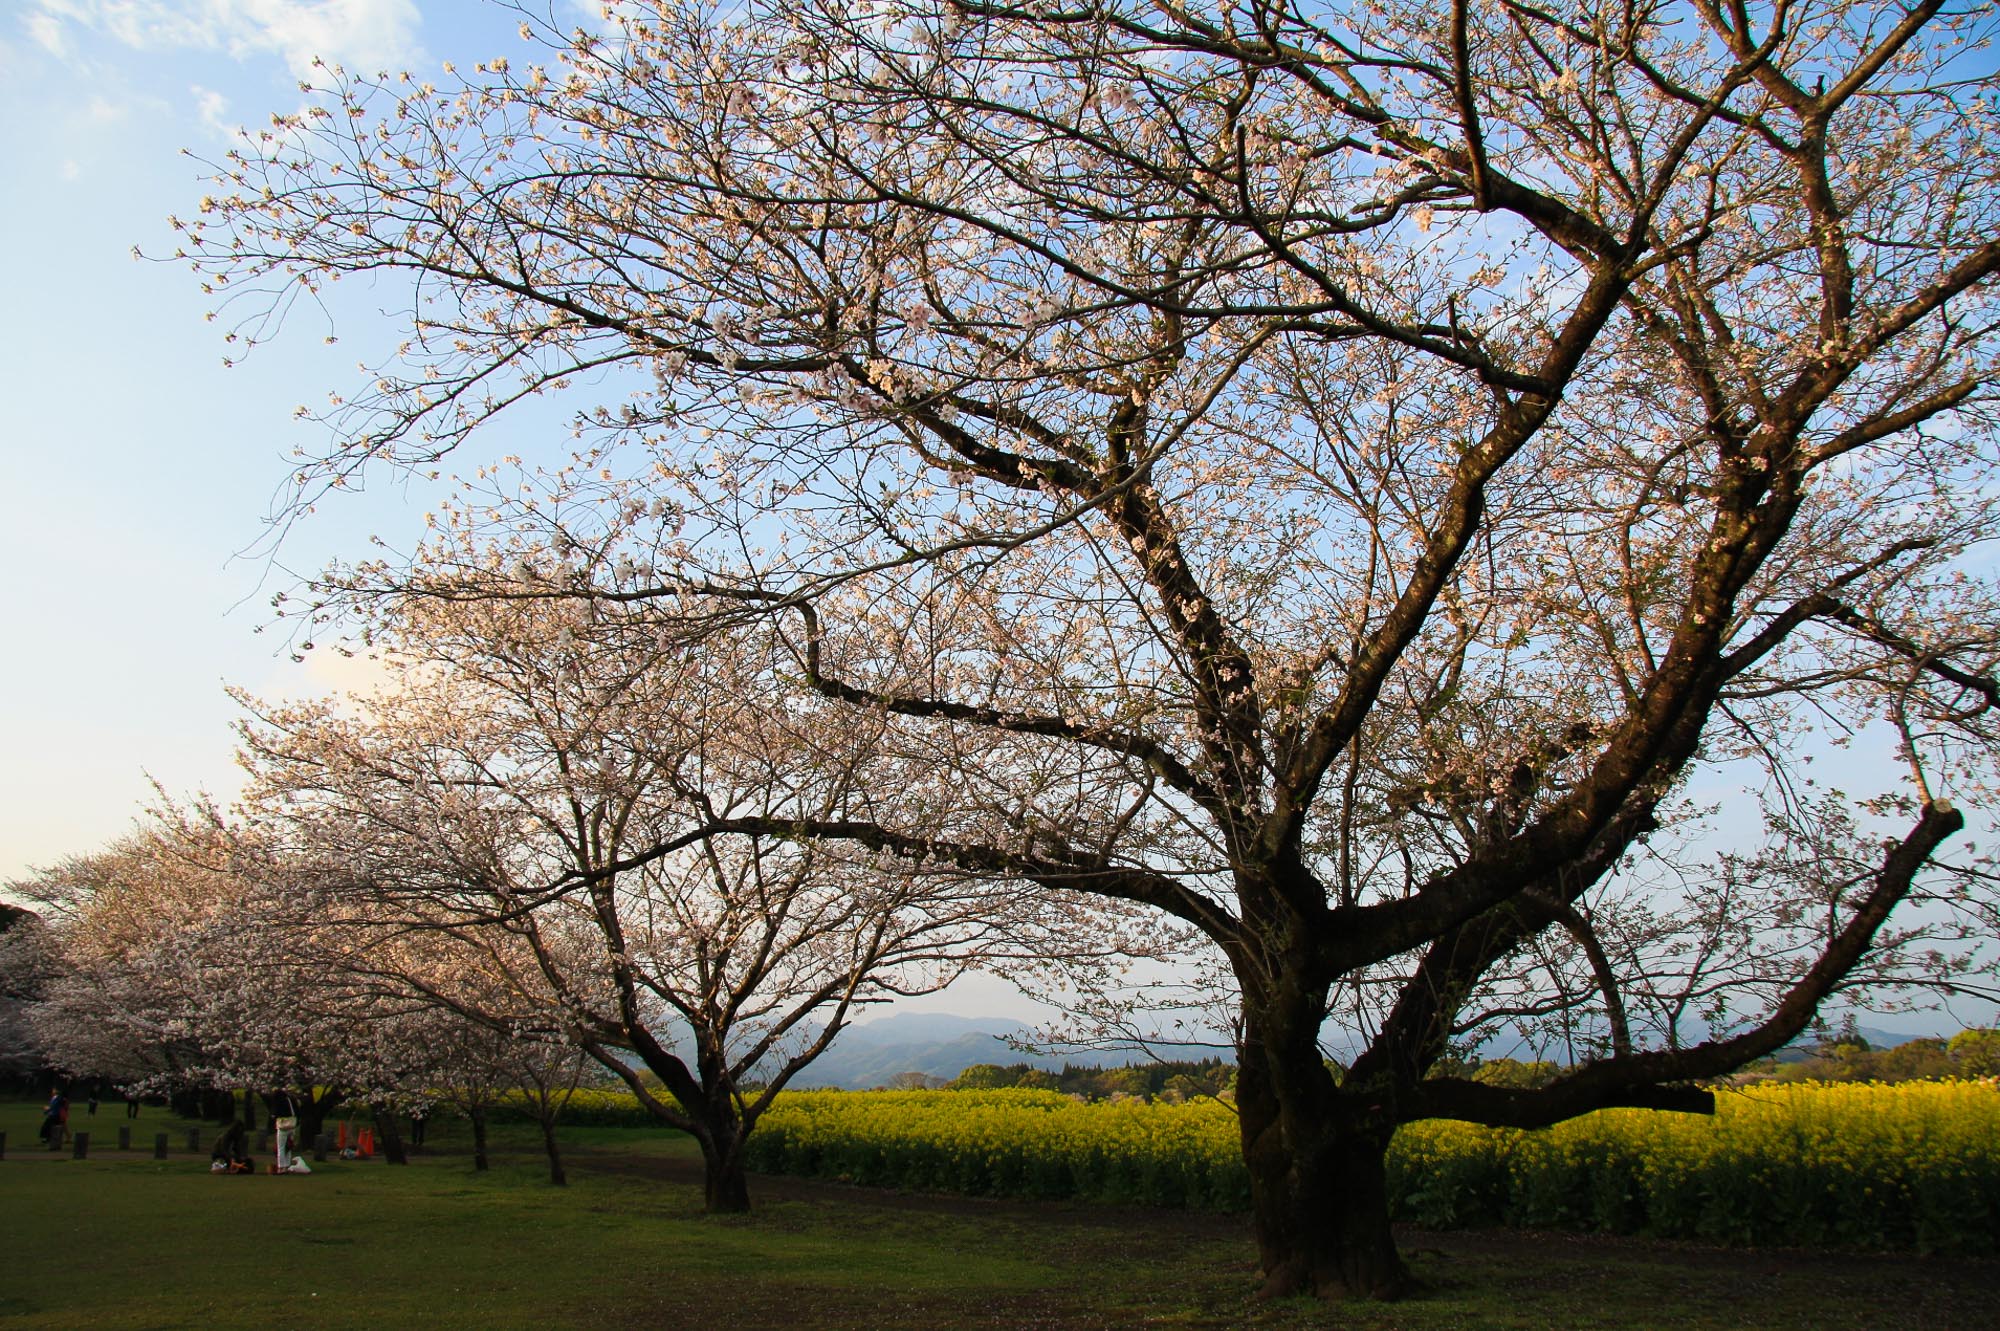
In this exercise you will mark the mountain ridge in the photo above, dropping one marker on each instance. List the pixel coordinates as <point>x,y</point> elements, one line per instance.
<point>942,1045</point>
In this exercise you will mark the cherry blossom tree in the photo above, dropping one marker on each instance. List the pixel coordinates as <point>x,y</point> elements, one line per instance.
<point>544,1074</point>
<point>1356,479</point>
<point>563,832</point>
<point>26,967</point>
<point>445,1024</point>
<point>103,1009</point>
<point>172,970</point>
<point>449,1058</point>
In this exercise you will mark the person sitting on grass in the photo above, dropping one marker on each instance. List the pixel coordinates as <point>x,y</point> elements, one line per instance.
<point>232,1151</point>
<point>55,1118</point>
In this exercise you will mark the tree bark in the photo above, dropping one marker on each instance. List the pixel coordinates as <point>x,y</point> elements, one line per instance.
<point>390,1137</point>
<point>477,1114</point>
<point>313,1110</point>
<point>556,1174</point>
<point>312,1120</point>
<point>704,1108</point>
<point>725,1186</point>
<point>1316,1156</point>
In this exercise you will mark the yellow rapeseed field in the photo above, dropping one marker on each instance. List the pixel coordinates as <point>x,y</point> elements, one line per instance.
<point>1010,1143</point>
<point>1915,1165</point>
<point>1911,1165</point>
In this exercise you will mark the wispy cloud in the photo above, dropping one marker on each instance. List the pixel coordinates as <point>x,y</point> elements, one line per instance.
<point>363,34</point>
<point>47,31</point>
<point>213,107</point>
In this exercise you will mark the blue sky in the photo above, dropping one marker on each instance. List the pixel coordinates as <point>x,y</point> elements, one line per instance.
<point>136,470</point>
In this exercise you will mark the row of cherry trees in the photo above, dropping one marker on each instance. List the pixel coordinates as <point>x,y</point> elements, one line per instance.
<point>537,812</point>
<point>505,858</point>
<point>1392,497</point>
<point>163,965</point>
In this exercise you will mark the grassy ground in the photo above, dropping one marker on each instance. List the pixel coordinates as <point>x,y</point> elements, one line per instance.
<point>123,1241</point>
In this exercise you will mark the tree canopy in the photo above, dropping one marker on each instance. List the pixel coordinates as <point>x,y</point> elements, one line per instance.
<point>520,829</point>
<point>1353,478</point>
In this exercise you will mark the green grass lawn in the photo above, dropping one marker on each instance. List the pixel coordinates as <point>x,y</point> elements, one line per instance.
<point>21,1119</point>
<point>123,1241</point>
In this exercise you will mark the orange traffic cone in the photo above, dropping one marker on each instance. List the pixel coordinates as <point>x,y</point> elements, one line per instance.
<point>367,1143</point>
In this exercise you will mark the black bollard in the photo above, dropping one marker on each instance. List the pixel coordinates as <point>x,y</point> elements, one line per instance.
<point>81,1147</point>
<point>159,1146</point>
<point>321,1145</point>
<point>124,1139</point>
<point>194,1139</point>
<point>3,1146</point>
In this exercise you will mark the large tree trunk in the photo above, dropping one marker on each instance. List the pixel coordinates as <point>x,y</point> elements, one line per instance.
<point>1318,1185</point>
<point>478,1116</point>
<point>720,1129</point>
<point>1353,1201</point>
<point>725,1187</point>
<point>709,1113</point>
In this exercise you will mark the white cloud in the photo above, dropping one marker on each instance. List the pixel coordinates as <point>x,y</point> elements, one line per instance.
<point>47,31</point>
<point>327,673</point>
<point>362,34</point>
<point>71,171</point>
<point>214,108</point>
<point>102,111</point>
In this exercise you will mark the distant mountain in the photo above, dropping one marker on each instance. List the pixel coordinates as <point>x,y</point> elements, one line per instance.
<point>1878,1037</point>
<point>942,1045</point>
<point>1508,1045</point>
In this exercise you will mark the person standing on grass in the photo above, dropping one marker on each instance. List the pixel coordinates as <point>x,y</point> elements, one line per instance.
<point>131,1105</point>
<point>417,1117</point>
